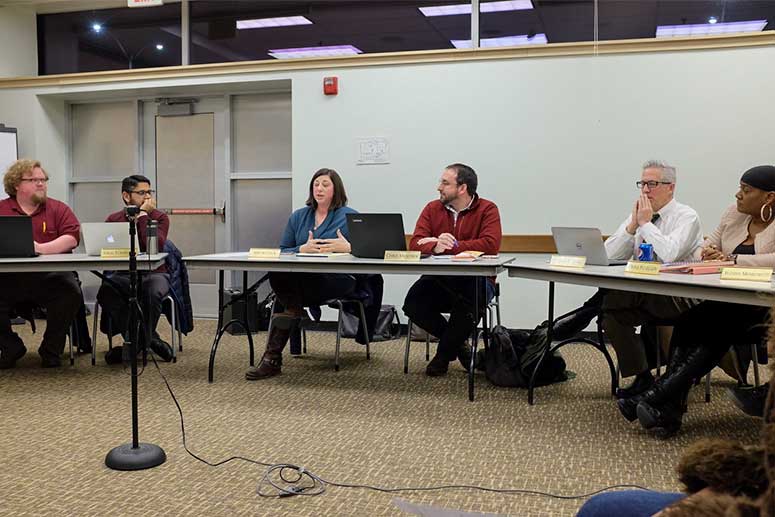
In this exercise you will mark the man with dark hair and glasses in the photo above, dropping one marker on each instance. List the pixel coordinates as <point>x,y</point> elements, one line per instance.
<point>673,229</point>
<point>113,296</point>
<point>55,229</point>
<point>458,221</point>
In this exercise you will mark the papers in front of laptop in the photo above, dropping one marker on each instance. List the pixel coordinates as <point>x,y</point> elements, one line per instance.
<point>321,255</point>
<point>464,256</point>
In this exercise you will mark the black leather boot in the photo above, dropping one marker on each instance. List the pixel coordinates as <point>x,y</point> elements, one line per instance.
<point>272,360</point>
<point>662,407</point>
<point>628,405</point>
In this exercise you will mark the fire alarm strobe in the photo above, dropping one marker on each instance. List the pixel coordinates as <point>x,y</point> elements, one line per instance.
<point>330,85</point>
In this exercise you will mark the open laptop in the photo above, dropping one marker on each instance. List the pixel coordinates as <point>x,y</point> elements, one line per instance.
<point>585,242</point>
<point>372,234</point>
<point>17,240</point>
<point>97,236</point>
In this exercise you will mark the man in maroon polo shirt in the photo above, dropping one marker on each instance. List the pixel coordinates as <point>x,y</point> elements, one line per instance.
<point>55,229</point>
<point>458,221</point>
<point>113,297</point>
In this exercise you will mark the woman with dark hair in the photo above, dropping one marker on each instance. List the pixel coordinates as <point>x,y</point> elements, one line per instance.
<point>319,227</point>
<point>704,334</point>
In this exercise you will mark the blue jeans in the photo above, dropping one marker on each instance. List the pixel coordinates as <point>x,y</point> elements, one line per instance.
<point>632,503</point>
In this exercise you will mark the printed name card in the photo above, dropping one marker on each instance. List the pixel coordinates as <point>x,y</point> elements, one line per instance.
<point>642,268</point>
<point>264,253</point>
<point>567,261</point>
<point>402,256</point>
<point>114,253</point>
<point>751,274</point>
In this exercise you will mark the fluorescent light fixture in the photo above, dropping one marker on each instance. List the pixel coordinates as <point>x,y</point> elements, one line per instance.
<point>703,29</point>
<point>484,7</point>
<point>96,27</point>
<point>331,51</point>
<point>159,46</point>
<point>504,41</point>
<point>263,23</point>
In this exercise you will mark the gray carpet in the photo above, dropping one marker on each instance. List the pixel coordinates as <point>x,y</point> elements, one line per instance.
<point>368,423</point>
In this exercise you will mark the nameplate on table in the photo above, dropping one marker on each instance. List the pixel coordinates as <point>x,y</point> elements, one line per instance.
<point>642,268</point>
<point>568,261</point>
<point>402,256</point>
<point>750,274</point>
<point>114,253</point>
<point>264,253</point>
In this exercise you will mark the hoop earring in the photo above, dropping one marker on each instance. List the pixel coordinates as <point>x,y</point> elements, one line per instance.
<point>761,213</point>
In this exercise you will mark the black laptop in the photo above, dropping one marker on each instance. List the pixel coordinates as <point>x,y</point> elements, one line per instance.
<point>16,237</point>
<point>372,234</point>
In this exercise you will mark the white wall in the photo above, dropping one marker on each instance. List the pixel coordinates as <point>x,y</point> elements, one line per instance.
<point>556,141</point>
<point>19,52</point>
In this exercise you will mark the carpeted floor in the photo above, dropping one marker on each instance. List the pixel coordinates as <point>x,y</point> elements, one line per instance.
<point>368,423</point>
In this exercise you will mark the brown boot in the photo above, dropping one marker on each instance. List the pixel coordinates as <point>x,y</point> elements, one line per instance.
<point>286,319</point>
<point>272,359</point>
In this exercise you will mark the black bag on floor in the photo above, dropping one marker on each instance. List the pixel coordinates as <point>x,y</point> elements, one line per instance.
<point>513,354</point>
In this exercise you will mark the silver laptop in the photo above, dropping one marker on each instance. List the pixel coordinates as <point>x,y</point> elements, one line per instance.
<point>585,242</point>
<point>105,235</point>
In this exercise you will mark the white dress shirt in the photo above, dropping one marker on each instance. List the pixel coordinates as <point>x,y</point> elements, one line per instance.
<point>674,236</point>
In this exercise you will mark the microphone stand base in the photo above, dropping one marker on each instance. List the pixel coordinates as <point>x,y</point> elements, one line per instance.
<point>145,456</point>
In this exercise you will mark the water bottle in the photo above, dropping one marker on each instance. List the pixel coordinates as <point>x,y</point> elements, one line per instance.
<point>152,242</point>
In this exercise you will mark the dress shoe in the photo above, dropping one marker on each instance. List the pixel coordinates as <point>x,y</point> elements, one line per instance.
<point>571,325</point>
<point>643,381</point>
<point>287,318</point>
<point>750,400</point>
<point>162,349</point>
<point>437,367</point>
<point>265,369</point>
<point>50,362</point>
<point>628,408</point>
<point>11,351</point>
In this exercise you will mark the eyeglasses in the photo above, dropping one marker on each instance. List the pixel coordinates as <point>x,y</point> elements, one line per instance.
<point>36,180</point>
<point>143,193</point>
<point>651,184</point>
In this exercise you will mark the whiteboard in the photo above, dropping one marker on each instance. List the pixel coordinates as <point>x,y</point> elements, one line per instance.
<point>8,151</point>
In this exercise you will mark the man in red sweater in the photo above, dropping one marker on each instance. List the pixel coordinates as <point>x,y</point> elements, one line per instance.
<point>55,229</point>
<point>136,191</point>
<point>459,221</point>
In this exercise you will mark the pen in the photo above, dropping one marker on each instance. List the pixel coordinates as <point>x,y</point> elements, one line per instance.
<point>44,227</point>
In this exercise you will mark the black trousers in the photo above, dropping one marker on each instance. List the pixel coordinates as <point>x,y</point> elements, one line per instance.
<point>431,296</point>
<point>57,292</point>
<point>309,289</point>
<point>115,299</point>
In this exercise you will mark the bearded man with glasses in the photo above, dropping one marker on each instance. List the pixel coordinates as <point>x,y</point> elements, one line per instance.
<point>673,229</point>
<point>113,295</point>
<point>55,229</point>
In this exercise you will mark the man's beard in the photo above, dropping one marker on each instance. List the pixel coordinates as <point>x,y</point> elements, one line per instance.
<point>38,198</point>
<point>445,200</point>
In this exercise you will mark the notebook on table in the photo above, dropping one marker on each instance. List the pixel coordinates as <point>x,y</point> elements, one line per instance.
<point>373,234</point>
<point>97,236</point>
<point>583,242</point>
<point>17,241</point>
<point>707,267</point>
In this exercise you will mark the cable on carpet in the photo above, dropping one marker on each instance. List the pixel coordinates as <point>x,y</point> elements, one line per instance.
<point>287,480</point>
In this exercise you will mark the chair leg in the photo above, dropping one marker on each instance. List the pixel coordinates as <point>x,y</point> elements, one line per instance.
<point>365,329</point>
<point>72,342</point>
<point>490,311</point>
<point>338,336</point>
<point>94,334</point>
<point>498,308</point>
<point>755,361</point>
<point>427,347</point>
<point>408,343</point>
<point>174,312</point>
<point>303,340</point>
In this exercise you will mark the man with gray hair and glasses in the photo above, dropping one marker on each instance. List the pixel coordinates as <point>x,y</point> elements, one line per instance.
<point>673,230</point>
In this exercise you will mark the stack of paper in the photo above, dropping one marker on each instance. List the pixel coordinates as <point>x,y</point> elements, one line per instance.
<point>696,268</point>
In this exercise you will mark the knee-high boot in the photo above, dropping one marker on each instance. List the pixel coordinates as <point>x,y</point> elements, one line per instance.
<point>662,407</point>
<point>272,360</point>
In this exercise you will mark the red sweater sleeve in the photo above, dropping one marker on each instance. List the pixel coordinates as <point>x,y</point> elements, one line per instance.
<point>423,229</point>
<point>489,234</point>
